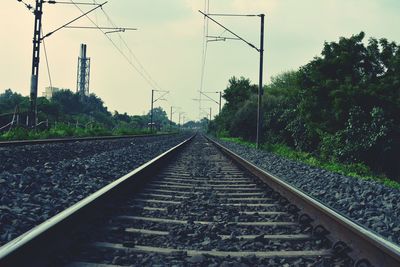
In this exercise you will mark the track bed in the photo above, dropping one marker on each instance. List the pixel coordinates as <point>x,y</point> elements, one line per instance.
<point>203,210</point>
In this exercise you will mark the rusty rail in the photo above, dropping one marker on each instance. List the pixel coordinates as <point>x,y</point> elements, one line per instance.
<point>365,245</point>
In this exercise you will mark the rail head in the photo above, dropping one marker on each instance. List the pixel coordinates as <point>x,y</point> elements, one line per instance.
<point>75,139</point>
<point>364,243</point>
<point>37,241</point>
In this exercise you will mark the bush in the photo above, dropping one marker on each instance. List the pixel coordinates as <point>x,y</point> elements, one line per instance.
<point>15,134</point>
<point>244,123</point>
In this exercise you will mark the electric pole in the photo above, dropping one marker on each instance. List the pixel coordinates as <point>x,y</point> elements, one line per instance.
<point>220,101</point>
<point>180,114</point>
<point>211,99</point>
<point>32,118</point>
<point>260,86</point>
<point>260,50</point>
<point>170,119</point>
<point>151,111</point>
<point>37,39</point>
<point>152,104</point>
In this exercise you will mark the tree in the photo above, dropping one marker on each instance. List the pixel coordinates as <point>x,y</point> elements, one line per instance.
<point>343,105</point>
<point>9,100</point>
<point>236,94</point>
<point>68,102</point>
<point>160,118</point>
<point>121,117</point>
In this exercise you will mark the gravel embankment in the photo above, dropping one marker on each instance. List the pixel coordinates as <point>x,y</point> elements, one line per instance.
<point>368,203</point>
<point>219,188</point>
<point>37,182</point>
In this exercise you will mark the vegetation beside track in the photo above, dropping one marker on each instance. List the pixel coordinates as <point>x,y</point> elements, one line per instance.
<point>69,115</point>
<point>357,170</point>
<point>342,107</point>
<point>65,131</point>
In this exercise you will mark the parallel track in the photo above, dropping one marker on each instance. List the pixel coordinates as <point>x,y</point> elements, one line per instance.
<point>178,208</point>
<point>73,139</point>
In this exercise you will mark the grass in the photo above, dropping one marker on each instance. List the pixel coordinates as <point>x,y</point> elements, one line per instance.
<point>357,170</point>
<point>63,131</point>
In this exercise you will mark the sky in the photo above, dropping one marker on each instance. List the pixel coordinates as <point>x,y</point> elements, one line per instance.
<point>167,48</point>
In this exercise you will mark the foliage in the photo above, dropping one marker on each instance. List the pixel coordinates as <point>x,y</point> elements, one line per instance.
<point>63,130</point>
<point>237,93</point>
<point>88,115</point>
<point>357,170</point>
<point>9,100</point>
<point>244,120</point>
<point>160,118</point>
<point>342,106</point>
<point>198,125</point>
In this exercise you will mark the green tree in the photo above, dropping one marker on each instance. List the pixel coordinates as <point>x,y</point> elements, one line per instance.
<point>343,105</point>
<point>160,118</point>
<point>9,100</point>
<point>236,94</point>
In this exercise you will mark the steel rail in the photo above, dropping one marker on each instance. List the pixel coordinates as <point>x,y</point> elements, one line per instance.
<point>75,139</point>
<point>363,243</point>
<point>35,247</point>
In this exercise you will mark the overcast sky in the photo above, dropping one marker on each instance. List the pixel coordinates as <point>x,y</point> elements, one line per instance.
<point>169,43</point>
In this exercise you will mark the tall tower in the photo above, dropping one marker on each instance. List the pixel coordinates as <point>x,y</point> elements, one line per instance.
<point>82,86</point>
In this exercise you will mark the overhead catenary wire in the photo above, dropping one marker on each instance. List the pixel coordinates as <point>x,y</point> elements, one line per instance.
<point>75,19</point>
<point>28,6</point>
<point>69,3</point>
<point>47,61</point>
<point>205,45</point>
<point>228,30</point>
<point>130,51</point>
<point>130,62</point>
<point>204,52</point>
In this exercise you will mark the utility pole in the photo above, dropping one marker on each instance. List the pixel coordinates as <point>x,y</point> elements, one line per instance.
<point>37,39</point>
<point>260,50</point>
<point>152,103</point>
<point>35,62</point>
<point>172,113</point>
<point>210,113</point>
<point>260,86</point>
<point>220,101</point>
<point>211,99</point>
<point>151,111</point>
<point>170,119</point>
<point>180,114</point>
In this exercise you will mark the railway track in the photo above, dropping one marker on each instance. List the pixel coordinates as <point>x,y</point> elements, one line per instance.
<point>194,206</point>
<point>73,139</point>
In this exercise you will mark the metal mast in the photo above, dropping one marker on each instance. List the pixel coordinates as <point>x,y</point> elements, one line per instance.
<point>151,110</point>
<point>83,76</point>
<point>260,86</point>
<point>35,62</point>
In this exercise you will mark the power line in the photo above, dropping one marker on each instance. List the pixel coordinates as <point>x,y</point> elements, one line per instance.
<point>228,30</point>
<point>28,6</point>
<point>232,15</point>
<point>103,28</point>
<point>47,60</point>
<point>130,51</point>
<point>204,51</point>
<point>148,81</point>
<point>68,23</point>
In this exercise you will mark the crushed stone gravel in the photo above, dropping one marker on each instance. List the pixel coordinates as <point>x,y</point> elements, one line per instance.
<point>366,202</point>
<point>39,181</point>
